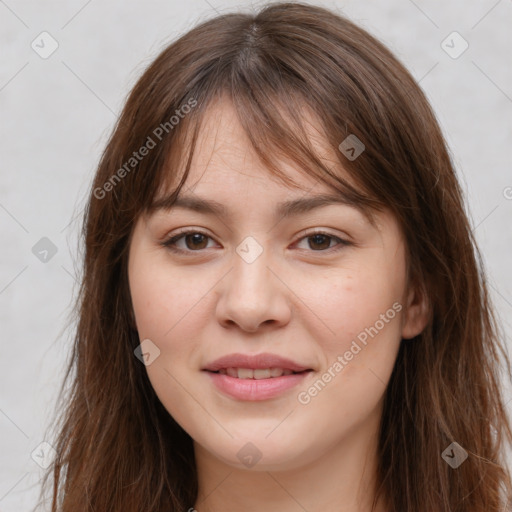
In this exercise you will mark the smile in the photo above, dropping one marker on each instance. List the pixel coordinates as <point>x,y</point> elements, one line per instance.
<point>255,385</point>
<point>260,373</point>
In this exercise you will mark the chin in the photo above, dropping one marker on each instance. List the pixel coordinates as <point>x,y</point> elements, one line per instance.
<point>260,453</point>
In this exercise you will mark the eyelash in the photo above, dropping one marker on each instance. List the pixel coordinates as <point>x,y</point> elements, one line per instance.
<point>170,243</point>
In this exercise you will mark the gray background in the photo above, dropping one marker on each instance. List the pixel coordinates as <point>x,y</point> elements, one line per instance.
<point>56,114</point>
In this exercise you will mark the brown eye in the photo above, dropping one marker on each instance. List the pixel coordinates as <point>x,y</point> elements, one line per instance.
<point>320,242</point>
<point>194,241</point>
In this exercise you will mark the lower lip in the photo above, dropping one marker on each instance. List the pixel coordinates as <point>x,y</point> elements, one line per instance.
<point>256,389</point>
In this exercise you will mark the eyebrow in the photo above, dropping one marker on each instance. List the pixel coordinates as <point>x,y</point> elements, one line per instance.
<point>285,209</point>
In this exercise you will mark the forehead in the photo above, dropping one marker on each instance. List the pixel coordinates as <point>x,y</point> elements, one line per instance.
<point>226,173</point>
<point>224,155</point>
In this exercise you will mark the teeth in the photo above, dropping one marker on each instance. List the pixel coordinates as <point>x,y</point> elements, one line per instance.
<point>232,372</point>
<point>276,372</point>
<point>245,373</point>
<point>260,373</point>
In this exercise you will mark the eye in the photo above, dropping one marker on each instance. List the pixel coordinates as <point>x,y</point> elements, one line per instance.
<point>320,241</point>
<point>195,241</point>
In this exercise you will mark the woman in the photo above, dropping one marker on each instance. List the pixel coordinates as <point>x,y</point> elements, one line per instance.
<point>282,304</point>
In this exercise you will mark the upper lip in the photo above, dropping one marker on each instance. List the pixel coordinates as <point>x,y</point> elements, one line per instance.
<point>258,361</point>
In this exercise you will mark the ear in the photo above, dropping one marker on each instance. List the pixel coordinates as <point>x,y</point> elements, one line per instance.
<point>416,313</point>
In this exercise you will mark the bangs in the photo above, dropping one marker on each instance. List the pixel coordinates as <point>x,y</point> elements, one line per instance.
<point>273,121</point>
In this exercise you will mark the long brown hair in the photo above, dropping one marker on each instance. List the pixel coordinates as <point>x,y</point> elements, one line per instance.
<point>117,448</point>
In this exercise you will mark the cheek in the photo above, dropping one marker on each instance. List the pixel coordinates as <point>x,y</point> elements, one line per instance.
<point>363,316</point>
<point>172,308</point>
<point>360,311</point>
<point>349,301</point>
<point>167,311</point>
<point>164,300</point>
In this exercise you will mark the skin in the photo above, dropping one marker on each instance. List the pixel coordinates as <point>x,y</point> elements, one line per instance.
<point>298,299</point>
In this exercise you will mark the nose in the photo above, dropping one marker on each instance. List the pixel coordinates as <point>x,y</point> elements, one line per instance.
<point>252,295</point>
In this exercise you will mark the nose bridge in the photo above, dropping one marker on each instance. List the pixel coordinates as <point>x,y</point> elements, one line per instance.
<point>251,273</point>
<point>251,295</point>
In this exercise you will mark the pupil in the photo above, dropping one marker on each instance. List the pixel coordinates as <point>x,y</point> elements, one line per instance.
<point>196,238</point>
<point>316,237</point>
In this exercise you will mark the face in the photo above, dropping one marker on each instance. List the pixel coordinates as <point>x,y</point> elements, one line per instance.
<point>323,289</point>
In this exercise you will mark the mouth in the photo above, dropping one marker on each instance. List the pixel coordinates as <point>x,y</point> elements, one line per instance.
<point>254,385</point>
<point>253,377</point>
<point>257,373</point>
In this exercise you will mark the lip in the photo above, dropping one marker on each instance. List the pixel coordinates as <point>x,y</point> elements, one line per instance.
<point>255,389</point>
<point>257,361</point>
